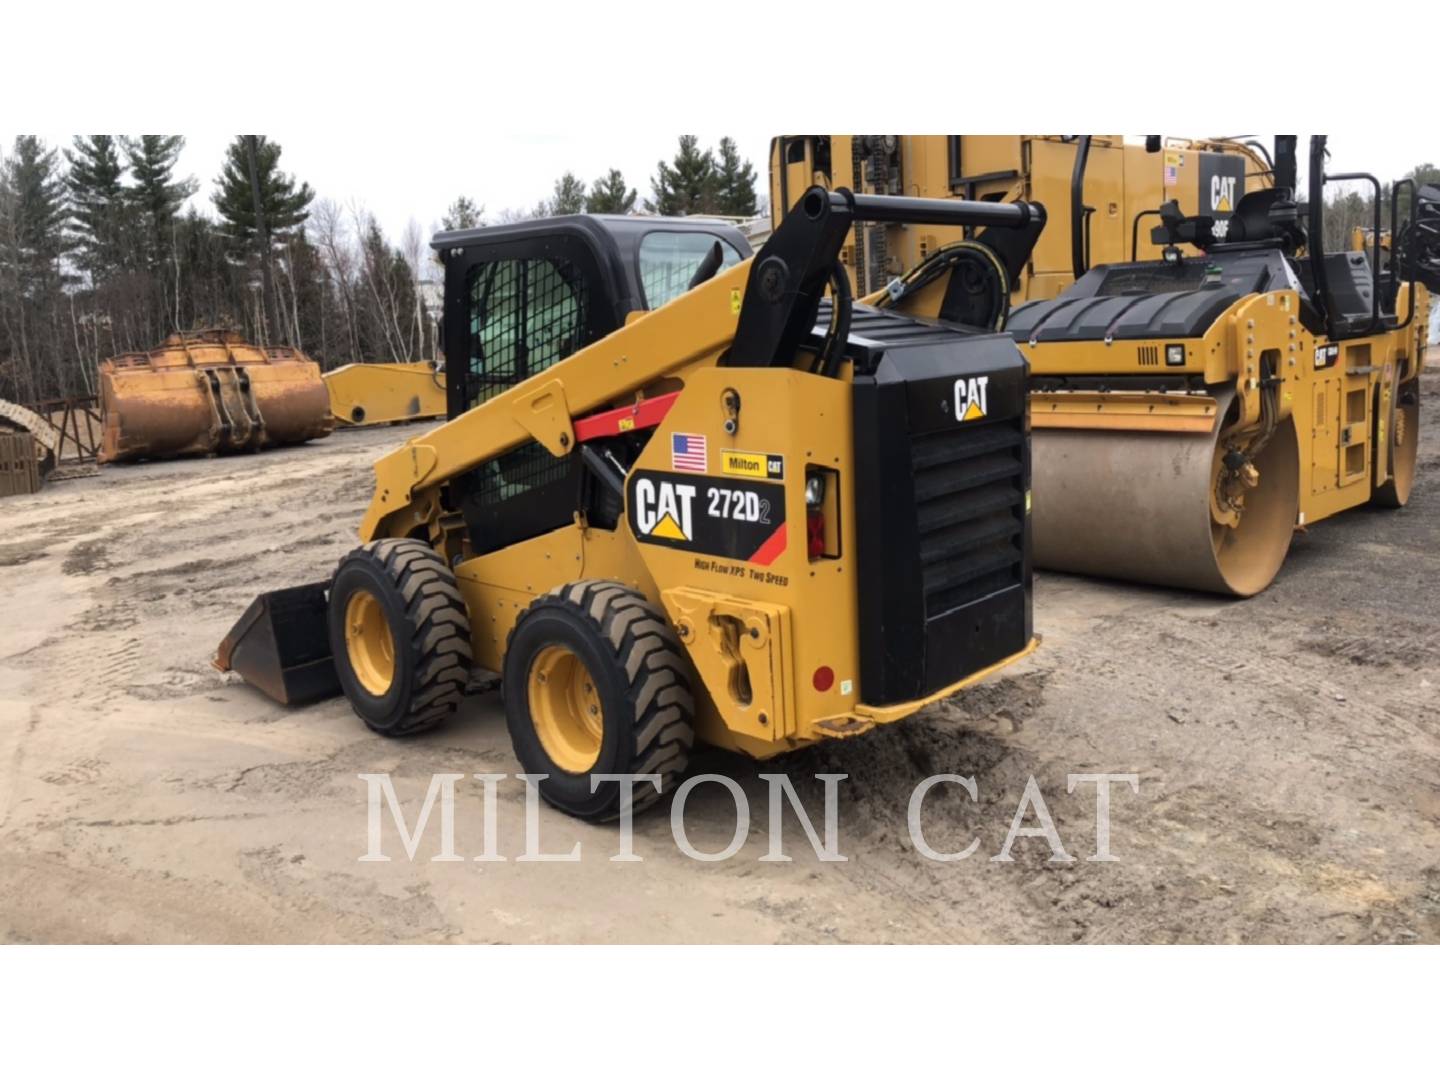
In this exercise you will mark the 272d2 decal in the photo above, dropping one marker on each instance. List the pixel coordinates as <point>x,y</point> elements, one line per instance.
<point>734,519</point>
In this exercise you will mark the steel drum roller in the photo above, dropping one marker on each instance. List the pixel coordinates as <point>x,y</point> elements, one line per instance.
<point>1137,506</point>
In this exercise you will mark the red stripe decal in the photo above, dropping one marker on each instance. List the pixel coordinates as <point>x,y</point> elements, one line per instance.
<point>643,414</point>
<point>770,550</point>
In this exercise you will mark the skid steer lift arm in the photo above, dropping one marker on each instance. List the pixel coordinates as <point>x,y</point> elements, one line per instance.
<point>789,275</point>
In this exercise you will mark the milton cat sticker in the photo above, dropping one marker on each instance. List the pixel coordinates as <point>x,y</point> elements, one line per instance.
<point>734,519</point>
<point>758,466</point>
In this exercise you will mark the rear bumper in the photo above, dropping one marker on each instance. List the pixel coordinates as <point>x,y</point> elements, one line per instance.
<point>865,717</point>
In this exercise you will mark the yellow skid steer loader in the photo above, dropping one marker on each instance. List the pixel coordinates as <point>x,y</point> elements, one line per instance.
<point>681,494</point>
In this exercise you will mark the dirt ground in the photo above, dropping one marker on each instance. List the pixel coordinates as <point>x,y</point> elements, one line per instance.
<point>1287,749</point>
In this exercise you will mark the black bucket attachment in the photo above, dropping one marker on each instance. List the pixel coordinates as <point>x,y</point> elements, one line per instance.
<point>281,646</point>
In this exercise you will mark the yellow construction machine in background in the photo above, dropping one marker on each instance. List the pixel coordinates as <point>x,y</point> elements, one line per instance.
<point>212,392</point>
<point>1192,409</point>
<point>368,394</point>
<point>1122,186</point>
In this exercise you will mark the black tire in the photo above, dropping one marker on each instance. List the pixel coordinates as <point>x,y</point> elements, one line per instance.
<point>642,681</point>
<point>429,628</point>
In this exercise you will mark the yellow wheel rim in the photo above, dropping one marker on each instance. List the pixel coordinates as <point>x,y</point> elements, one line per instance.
<point>369,644</point>
<point>565,709</point>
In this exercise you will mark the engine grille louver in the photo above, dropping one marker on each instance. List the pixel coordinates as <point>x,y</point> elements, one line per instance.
<point>969,493</point>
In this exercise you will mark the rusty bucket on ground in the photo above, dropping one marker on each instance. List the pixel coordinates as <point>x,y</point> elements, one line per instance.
<point>209,392</point>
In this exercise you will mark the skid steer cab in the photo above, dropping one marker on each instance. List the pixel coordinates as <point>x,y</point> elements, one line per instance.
<point>682,493</point>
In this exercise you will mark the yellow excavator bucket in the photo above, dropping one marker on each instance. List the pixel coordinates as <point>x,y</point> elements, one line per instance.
<point>209,392</point>
<point>365,394</point>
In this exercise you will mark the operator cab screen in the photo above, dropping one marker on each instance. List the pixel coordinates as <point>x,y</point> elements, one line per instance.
<point>668,260</point>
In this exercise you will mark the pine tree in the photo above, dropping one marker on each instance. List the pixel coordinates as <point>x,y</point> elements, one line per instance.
<point>609,195</point>
<point>156,196</point>
<point>285,205</point>
<point>734,182</point>
<point>99,205</point>
<point>569,196</point>
<point>687,184</point>
<point>36,238</point>
<point>462,214</point>
<point>33,242</point>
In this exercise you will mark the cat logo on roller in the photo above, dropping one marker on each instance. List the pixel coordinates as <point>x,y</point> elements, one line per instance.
<point>970,397</point>
<point>663,509</point>
<point>1222,194</point>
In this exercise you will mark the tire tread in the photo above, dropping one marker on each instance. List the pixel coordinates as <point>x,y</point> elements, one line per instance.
<point>439,630</point>
<point>650,658</point>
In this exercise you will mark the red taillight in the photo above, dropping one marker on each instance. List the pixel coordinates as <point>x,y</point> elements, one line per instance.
<point>823,679</point>
<point>815,533</point>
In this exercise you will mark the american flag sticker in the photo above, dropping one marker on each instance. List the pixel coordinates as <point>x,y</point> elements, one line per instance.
<point>688,453</point>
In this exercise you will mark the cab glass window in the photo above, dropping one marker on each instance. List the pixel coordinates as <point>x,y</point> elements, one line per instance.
<point>668,260</point>
<point>525,314</point>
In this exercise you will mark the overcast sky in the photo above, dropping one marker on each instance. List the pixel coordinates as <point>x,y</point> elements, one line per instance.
<point>405,175</point>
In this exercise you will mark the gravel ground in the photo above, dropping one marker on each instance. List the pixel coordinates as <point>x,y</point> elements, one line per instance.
<point>1287,750</point>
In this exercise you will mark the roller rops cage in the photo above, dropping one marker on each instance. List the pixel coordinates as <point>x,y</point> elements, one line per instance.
<point>1357,300</point>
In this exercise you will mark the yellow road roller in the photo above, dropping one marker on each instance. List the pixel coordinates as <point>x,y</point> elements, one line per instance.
<point>682,495</point>
<point>1191,411</point>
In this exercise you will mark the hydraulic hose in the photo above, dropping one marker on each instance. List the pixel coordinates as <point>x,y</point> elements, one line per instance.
<point>950,257</point>
<point>844,301</point>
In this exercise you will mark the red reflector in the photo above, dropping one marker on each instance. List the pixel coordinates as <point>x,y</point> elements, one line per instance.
<point>815,533</point>
<point>823,679</point>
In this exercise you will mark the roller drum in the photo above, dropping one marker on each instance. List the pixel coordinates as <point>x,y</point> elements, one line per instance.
<point>1137,506</point>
